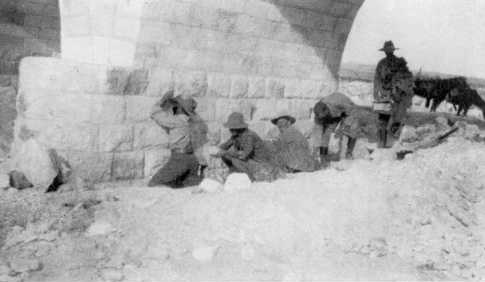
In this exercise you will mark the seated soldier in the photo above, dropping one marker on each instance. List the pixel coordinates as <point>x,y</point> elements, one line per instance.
<point>330,112</point>
<point>181,170</point>
<point>245,152</point>
<point>291,147</point>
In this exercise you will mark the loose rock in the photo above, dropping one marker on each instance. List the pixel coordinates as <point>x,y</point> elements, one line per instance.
<point>205,253</point>
<point>111,274</point>
<point>236,182</point>
<point>21,265</point>
<point>100,228</point>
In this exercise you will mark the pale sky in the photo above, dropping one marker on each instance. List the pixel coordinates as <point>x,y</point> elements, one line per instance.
<point>447,36</point>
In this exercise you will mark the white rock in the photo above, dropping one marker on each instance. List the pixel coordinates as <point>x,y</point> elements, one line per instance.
<point>408,134</point>
<point>25,265</point>
<point>204,253</point>
<point>100,228</point>
<point>111,274</point>
<point>471,131</point>
<point>4,181</point>
<point>34,161</point>
<point>4,270</point>
<point>236,182</point>
<point>210,186</point>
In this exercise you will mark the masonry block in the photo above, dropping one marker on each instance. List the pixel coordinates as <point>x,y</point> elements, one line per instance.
<point>138,108</point>
<point>155,159</point>
<point>302,108</point>
<point>115,138</point>
<point>218,85</point>
<point>161,81</point>
<point>225,20</point>
<point>296,88</point>
<point>128,165</point>
<point>107,109</point>
<point>57,74</point>
<point>149,135</point>
<point>202,16</point>
<point>264,109</point>
<point>61,135</point>
<point>206,108</point>
<point>190,83</point>
<point>224,107</point>
<point>78,48</point>
<point>94,167</point>
<point>76,108</point>
<point>257,87</point>
<point>239,86</point>
<point>275,88</point>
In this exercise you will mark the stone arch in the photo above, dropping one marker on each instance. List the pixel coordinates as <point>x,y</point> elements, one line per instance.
<point>118,57</point>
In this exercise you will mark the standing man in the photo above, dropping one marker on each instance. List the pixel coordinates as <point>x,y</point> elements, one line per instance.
<point>181,170</point>
<point>291,147</point>
<point>385,78</point>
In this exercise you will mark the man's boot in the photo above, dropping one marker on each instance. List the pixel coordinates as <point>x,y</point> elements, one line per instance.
<point>349,154</point>
<point>323,157</point>
<point>382,135</point>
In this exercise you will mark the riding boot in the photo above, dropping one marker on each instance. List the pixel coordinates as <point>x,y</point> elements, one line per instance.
<point>382,135</point>
<point>324,157</point>
<point>350,148</point>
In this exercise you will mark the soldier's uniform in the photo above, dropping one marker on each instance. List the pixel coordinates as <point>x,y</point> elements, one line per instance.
<point>386,103</point>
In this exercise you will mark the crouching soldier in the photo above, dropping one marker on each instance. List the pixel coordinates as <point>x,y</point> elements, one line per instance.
<point>181,170</point>
<point>291,147</point>
<point>245,152</point>
<point>198,135</point>
<point>334,114</point>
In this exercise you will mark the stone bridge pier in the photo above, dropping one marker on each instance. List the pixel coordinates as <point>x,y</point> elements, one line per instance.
<point>118,57</point>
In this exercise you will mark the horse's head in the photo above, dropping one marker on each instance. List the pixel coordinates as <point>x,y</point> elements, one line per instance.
<point>424,86</point>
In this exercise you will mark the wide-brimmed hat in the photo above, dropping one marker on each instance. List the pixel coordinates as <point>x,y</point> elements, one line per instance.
<point>185,104</point>
<point>388,46</point>
<point>236,121</point>
<point>285,115</point>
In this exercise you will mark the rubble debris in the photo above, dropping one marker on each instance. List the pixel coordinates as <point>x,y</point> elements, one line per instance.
<point>204,253</point>
<point>237,182</point>
<point>18,180</point>
<point>209,185</point>
<point>34,161</point>
<point>100,227</point>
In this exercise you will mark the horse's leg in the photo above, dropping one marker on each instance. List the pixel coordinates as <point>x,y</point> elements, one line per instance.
<point>460,108</point>
<point>427,102</point>
<point>465,110</point>
<point>434,106</point>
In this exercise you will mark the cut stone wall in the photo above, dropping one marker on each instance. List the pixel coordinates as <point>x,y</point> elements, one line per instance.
<point>119,57</point>
<point>27,28</point>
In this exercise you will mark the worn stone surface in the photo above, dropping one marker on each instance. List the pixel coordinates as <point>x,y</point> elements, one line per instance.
<point>91,166</point>
<point>115,138</point>
<point>127,165</point>
<point>154,160</point>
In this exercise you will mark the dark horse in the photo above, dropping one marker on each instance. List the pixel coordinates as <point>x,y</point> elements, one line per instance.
<point>464,99</point>
<point>436,90</point>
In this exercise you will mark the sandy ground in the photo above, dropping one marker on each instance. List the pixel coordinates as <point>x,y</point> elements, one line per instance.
<point>368,219</point>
